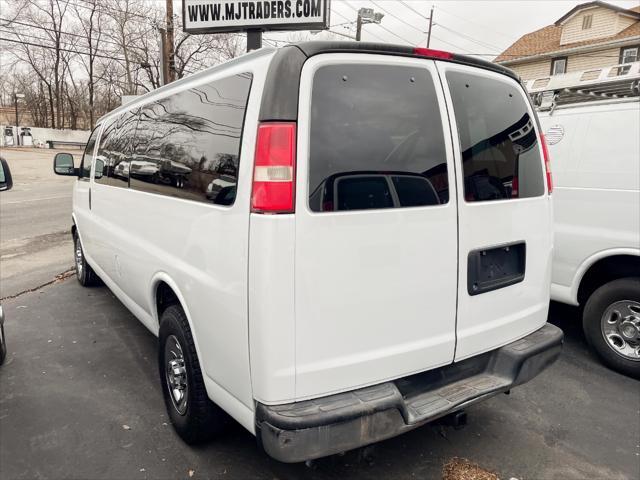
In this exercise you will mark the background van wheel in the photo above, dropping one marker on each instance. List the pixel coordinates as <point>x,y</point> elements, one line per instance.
<point>611,322</point>
<point>3,345</point>
<point>86,276</point>
<point>195,418</point>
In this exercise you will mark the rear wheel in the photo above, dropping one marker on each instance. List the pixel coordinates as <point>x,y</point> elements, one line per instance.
<point>86,276</point>
<point>195,418</point>
<point>611,322</point>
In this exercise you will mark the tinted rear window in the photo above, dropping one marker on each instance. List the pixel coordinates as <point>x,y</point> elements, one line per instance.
<point>500,151</point>
<point>376,139</point>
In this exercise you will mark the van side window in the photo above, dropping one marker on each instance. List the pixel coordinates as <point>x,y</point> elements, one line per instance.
<point>87,156</point>
<point>500,149</point>
<point>116,150</point>
<point>376,139</point>
<point>188,144</point>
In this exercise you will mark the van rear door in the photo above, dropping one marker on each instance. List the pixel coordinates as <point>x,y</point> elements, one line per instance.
<point>376,228</point>
<point>504,210</point>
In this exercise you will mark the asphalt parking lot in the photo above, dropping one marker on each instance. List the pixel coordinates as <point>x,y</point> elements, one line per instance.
<point>35,240</point>
<point>80,398</point>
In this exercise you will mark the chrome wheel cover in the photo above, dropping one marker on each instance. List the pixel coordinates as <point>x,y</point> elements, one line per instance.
<point>79,258</point>
<point>176,374</point>
<point>620,326</point>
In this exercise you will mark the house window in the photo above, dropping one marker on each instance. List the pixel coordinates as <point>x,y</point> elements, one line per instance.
<point>558,66</point>
<point>629,54</point>
<point>586,22</point>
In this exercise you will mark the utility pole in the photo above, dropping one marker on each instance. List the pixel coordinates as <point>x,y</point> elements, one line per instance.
<point>366,15</point>
<point>359,26</point>
<point>15,98</point>
<point>430,24</point>
<point>168,47</point>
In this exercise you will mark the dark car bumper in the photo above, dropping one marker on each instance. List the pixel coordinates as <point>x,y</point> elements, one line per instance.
<point>300,431</point>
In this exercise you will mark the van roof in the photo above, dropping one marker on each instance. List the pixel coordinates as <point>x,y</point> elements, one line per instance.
<point>284,72</point>
<point>278,102</point>
<point>315,47</point>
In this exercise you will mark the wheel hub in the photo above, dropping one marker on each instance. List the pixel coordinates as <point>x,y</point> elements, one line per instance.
<point>621,328</point>
<point>176,374</point>
<point>629,330</point>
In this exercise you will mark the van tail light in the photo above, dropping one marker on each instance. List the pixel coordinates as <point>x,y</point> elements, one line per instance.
<point>275,165</point>
<point>547,163</point>
<point>515,187</point>
<point>428,52</point>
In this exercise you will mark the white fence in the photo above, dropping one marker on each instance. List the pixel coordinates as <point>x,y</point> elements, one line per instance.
<point>42,135</point>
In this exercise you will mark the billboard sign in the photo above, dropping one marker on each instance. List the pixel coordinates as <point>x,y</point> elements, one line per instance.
<point>216,16</point>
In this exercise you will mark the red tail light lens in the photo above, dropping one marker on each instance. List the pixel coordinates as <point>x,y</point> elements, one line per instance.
<point>428,52</point>
<point>274,171</point>
<point>547,163</point>
<point>515,187</point>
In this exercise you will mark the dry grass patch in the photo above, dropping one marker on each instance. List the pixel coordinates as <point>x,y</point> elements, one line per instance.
<point>463,469</point>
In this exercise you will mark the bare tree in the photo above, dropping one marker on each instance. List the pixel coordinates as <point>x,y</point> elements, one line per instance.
<point>50,14</point>
<point>74,59</point>
<point>91,20</point>
<point>129,31</point>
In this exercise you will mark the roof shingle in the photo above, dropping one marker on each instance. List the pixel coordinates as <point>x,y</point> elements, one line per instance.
<point>547,40</point>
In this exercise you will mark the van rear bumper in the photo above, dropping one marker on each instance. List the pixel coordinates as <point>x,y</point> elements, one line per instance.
<point>300,431</point>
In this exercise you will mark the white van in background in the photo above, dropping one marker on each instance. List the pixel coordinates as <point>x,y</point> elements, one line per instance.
<point>594,147</point>
<point>307,254</point>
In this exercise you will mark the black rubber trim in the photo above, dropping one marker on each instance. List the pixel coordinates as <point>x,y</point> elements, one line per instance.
<point>316,428</point>
<point>282,85</point>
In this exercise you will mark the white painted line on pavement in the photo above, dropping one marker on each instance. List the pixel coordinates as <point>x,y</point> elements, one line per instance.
<point>36,199</point>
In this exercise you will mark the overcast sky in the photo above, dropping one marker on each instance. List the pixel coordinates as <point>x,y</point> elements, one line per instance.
<point>479,27</point>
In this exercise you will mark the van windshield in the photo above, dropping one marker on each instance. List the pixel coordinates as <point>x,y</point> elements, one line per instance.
<point>500,149</point>
<point>376,139</point>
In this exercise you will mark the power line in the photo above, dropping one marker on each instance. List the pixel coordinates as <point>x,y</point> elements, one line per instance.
<point>439,24</point>
<point>352,21</point>
<point>413,10</point>
<point>335,11</point>
<point>484,27</point>
<point>62,32</point>
<point>382,26</point>
<point>52,47</point>
<point>468,38</point>
<point>397,18</point>
<point>416,28</point>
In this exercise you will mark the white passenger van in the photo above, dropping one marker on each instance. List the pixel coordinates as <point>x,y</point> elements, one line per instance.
<point>592,127</point>
<point>340,241</point>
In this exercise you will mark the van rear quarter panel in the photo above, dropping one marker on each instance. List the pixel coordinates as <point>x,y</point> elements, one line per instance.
<point>202,248</point>
<point>594,156</point>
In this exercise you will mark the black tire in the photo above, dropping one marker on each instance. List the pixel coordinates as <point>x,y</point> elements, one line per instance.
<point>595,308</point>
<point>86,276</point>
<point>202,420</point>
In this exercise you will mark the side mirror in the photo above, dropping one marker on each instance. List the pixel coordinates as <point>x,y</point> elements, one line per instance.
<point>6,181</point>
<point>63,165</point>
<point>99,167</point>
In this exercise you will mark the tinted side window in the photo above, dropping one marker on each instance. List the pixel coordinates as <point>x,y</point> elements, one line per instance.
<point>376,139</point>
<point>87,156</point>
<point>188,145</point>
<point>500,152</point>
<point>116,150</point>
